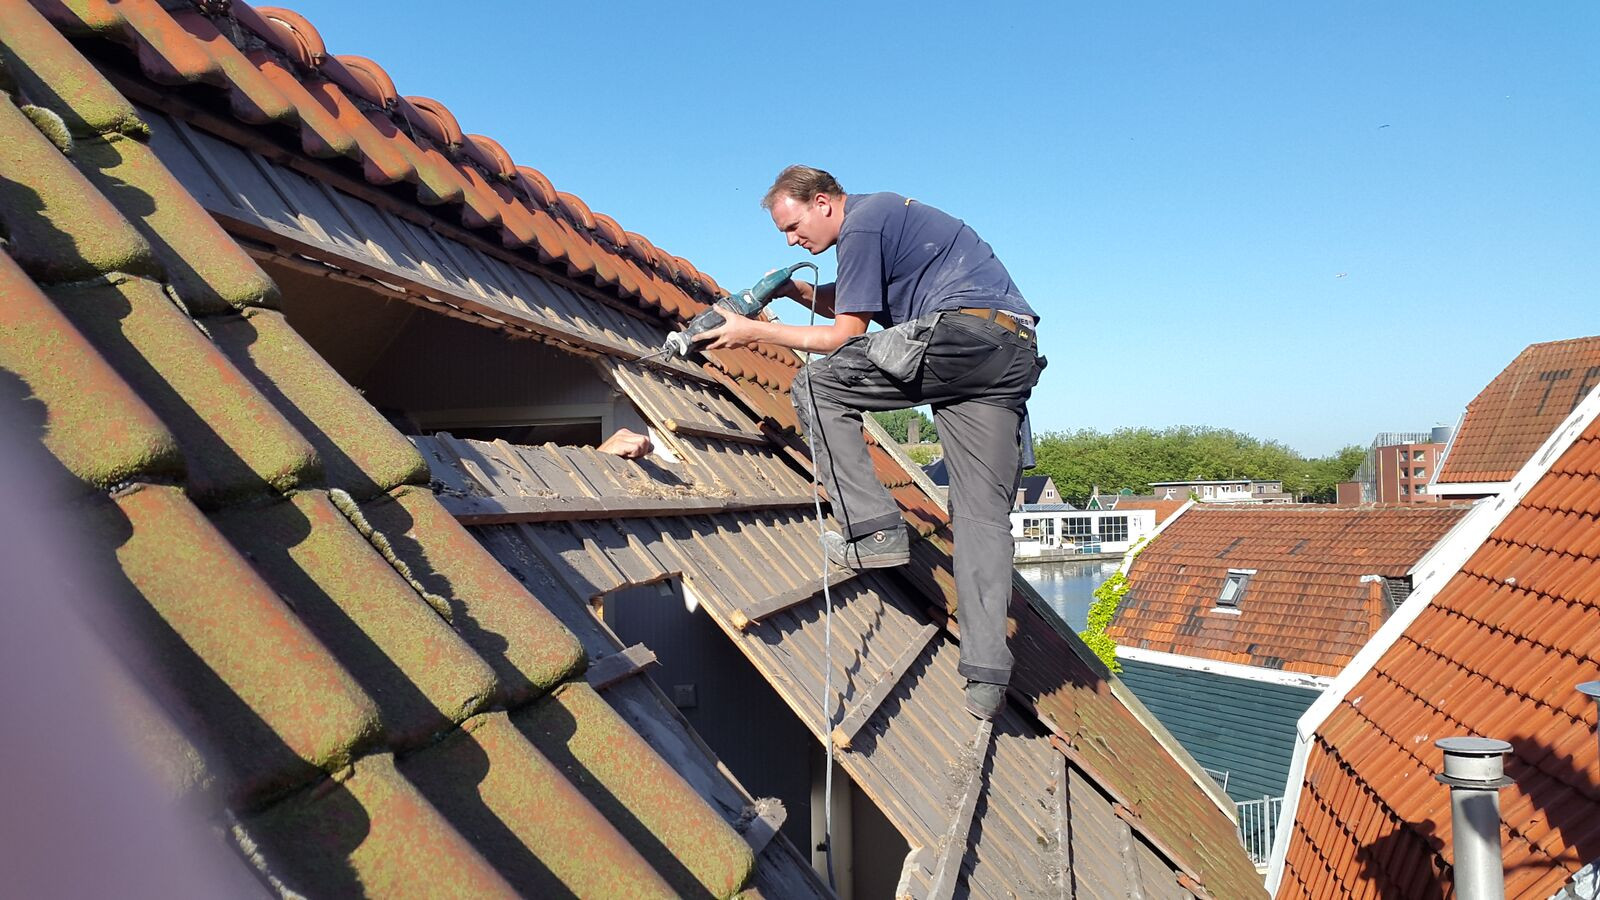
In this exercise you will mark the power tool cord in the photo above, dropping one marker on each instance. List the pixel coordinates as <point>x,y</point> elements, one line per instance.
<point>827,615</point>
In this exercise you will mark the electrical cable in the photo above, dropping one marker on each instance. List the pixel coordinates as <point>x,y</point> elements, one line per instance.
<point>827,614</point>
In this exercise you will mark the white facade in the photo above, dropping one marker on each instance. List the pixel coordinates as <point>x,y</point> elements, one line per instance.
<point>1036,530</point>
<point>1233,490</point>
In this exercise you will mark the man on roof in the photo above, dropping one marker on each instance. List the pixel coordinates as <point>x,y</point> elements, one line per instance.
<point>957,335</point>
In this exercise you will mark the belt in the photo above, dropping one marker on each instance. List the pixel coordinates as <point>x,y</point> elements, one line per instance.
<point>1004,320</point>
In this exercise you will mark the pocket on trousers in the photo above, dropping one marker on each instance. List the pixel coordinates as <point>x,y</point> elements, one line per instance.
<point>898,352</point>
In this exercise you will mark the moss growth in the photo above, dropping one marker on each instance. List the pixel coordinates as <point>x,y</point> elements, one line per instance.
<point>51,126</point>
<point>350,510</point>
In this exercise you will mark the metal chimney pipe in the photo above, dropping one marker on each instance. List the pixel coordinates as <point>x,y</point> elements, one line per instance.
<point>1475,772</point>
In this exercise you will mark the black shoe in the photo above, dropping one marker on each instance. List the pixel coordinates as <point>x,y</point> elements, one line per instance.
<point>878,550</point>
<point>985,700</point>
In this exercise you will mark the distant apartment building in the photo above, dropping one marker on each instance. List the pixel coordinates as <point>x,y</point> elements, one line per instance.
<point>1397,469</point>
<point>1229,490</point>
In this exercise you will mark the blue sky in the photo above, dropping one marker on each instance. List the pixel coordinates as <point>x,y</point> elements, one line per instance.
<point>1308,222</point>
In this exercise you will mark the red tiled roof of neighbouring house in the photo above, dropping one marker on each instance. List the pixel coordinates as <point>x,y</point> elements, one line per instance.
<point>1492,646</point>
<point>411,679</point>
<point>1163,508</point>
<point>1511,417</point>
<point>1307,606</point>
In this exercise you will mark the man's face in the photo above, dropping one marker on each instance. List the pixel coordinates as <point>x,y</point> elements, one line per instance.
<point>813,225</point>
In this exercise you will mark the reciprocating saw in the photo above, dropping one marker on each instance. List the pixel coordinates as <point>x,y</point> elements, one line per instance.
<point>746,303</point>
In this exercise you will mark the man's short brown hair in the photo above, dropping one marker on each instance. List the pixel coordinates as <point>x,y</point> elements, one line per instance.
<point>801,183</point>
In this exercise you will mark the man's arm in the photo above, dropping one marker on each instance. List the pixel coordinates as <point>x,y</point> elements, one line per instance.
<point>741,332</point>
<point>818,298</point>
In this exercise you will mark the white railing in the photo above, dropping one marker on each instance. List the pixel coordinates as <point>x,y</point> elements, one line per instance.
<point>1258,819</point>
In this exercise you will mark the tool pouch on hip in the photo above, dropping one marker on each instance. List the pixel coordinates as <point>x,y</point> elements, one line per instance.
<point>898,351</point>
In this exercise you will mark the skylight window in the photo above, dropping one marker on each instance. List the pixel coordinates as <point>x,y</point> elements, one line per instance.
<point>1233,588</point>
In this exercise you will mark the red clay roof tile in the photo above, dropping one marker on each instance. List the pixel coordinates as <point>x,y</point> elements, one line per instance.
<point>58,227</point>
<point>370,833</point>
<point>167,53</point>
<point>398,648</point>
<point>433,119</point>
<point>50,73</point>
<point>91,420</point>
<point>208,271</point>
<point>528,647</point>
<point>1305,609</point>
<point>1496,651</point>
<point>382,161</point>
<point>537,186</point>
<point>1513,415</point>
<point>253,97</point>
<point>361,77</point>
<point>487,152</point>
<point>287,31</point>
<point>487,779</point>
<point>321,133</point>
<point>643,797</point>
<point>235,443</point>
<point>275,706</point>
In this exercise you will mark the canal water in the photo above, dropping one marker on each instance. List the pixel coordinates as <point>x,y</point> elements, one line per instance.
<point>1068,586</point>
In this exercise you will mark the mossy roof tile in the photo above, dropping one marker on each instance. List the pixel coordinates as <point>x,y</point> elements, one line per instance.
<point>541,832</point>
<point>423,677</point>
<point>59,227</point>
<point>529,648</point>
<point>50,73</point>
<point>256,684</point>
<point>641,795</point>
<point>370,833</point>
<point>91,420</point>
<point>206,268</point>
<point>235,443</point>
<point>361,452</point>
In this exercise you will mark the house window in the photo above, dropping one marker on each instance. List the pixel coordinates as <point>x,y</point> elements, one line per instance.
<point>1078,529</point>
<point>1050,529</point>
<point>1234,587</point>
<point>1405,490</point>
<point>1030,529</point>
<point>1419,472</point>
<point>1419,454</point>
<point>1422,489</point>
<point>1113,528</point>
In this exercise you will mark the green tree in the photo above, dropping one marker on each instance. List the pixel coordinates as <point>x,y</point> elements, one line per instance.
<point>895,421</point>
<point>1133,458</point>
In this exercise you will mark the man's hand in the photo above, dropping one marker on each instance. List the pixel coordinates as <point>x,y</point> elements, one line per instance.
<point>627,444</point>
<point>735,333</point>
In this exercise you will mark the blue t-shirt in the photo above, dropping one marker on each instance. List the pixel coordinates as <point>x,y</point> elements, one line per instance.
<point>900,259</point>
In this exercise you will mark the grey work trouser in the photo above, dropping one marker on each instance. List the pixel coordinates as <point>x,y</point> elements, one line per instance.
<point>977,376</point>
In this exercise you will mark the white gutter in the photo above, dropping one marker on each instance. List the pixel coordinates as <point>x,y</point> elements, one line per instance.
<point>1436,569</point>
<point>1472,488</point>
<point>1232,670</point>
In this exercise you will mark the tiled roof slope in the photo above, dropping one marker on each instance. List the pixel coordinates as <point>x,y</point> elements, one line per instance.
<point>1163,508</point>
<point>368,186</point>
<point>1511,417</point>
<point>1495,651</point>
<point>372,699</point>
<point>1306,608</point>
